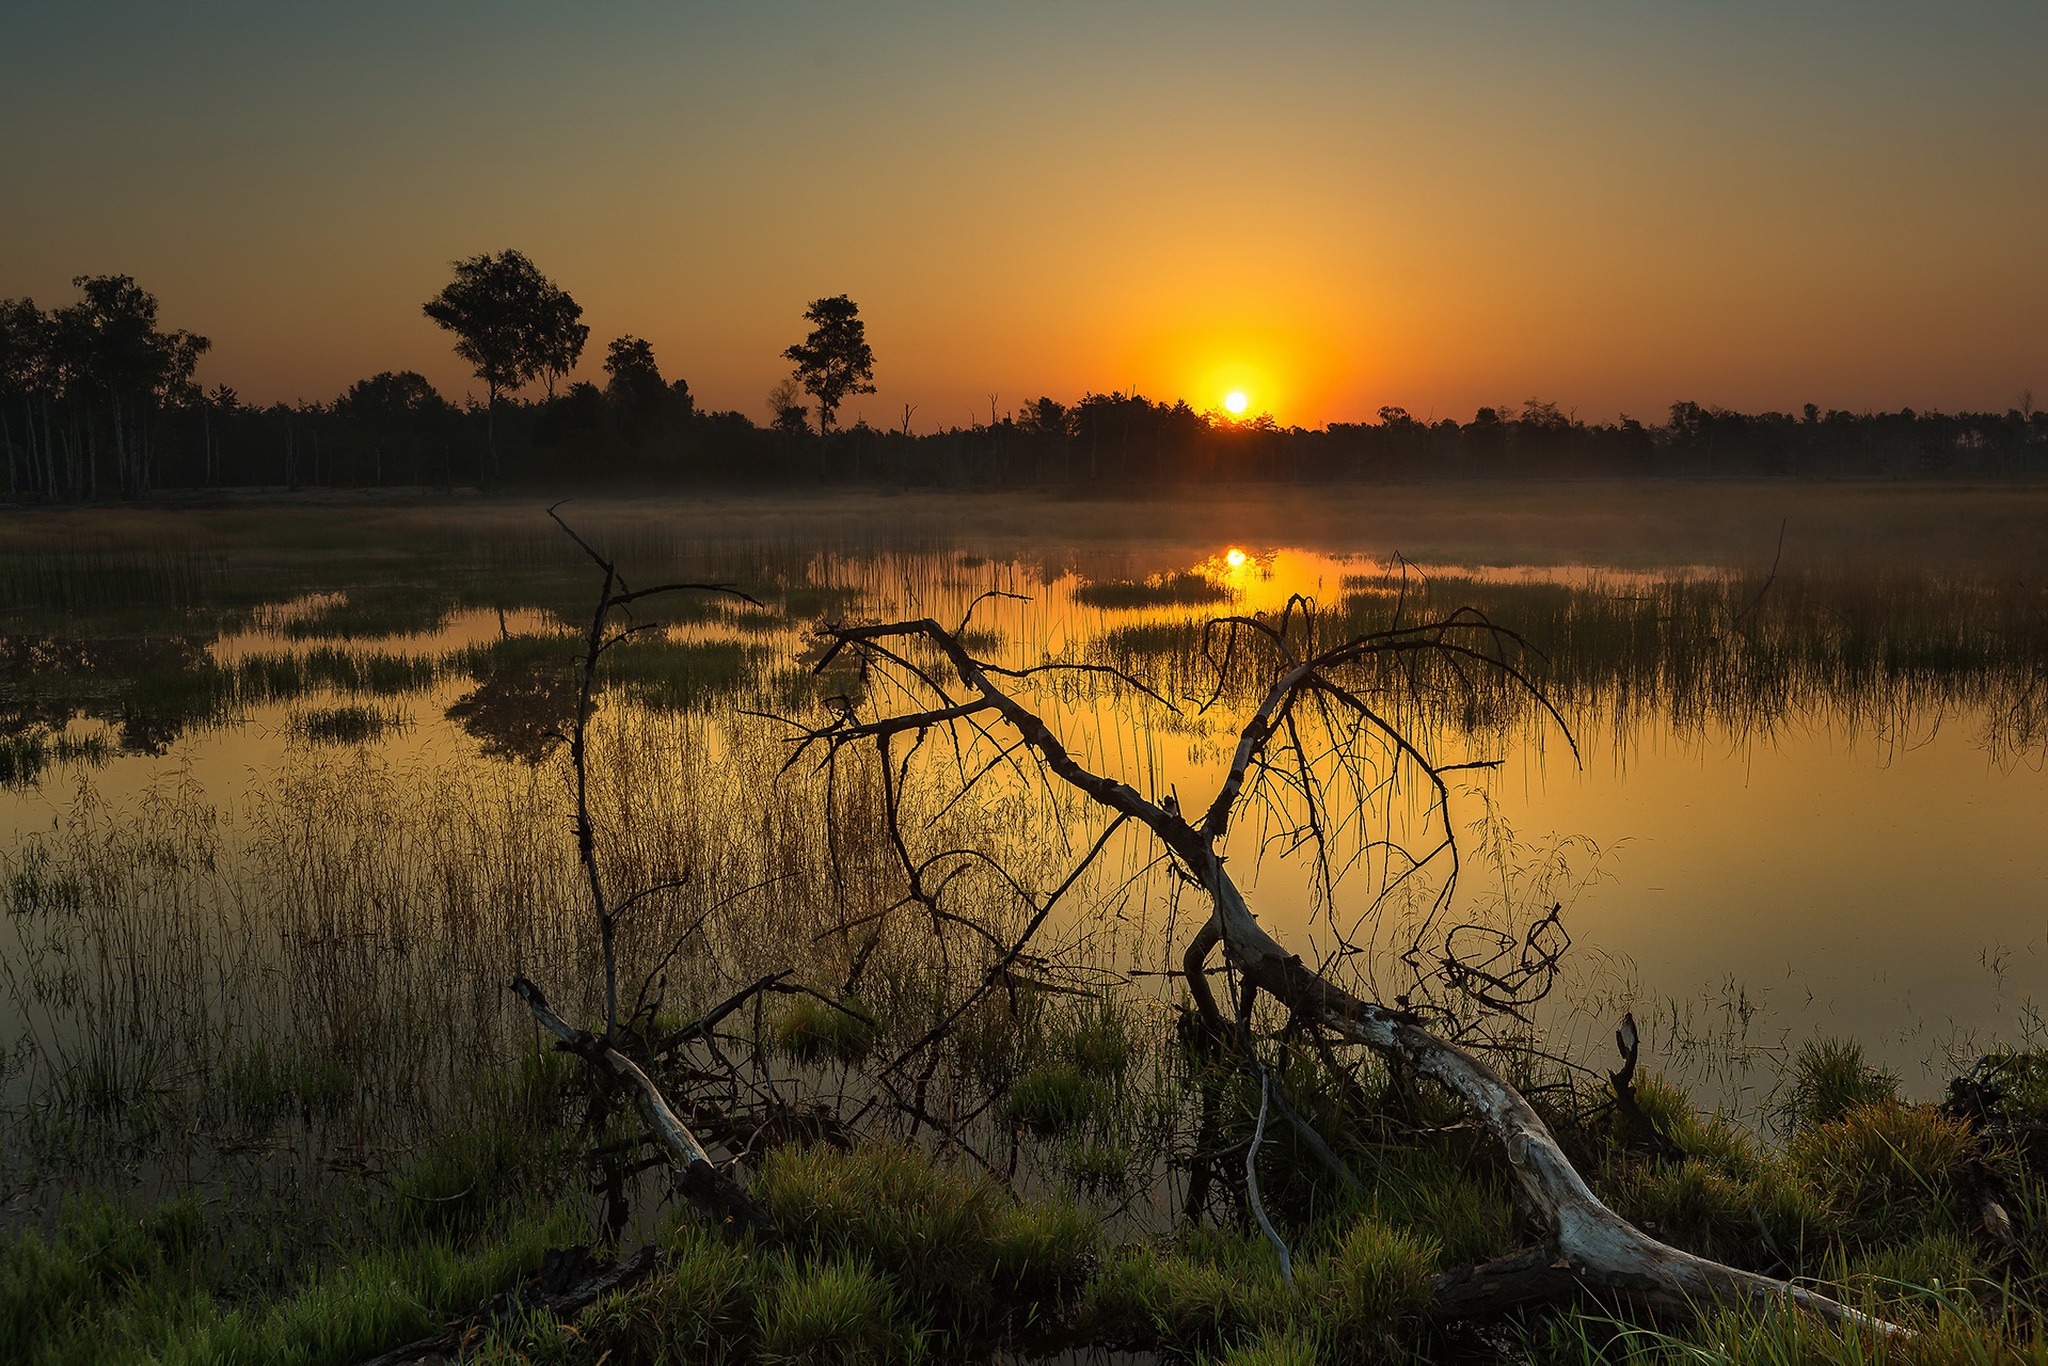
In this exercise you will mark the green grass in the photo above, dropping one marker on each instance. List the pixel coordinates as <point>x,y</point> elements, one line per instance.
<point>833,1312</point>
<point>116,1286</point>
<point>810,1030</point>
<point>962,1253</point>
<point>1356,1299</point>
<point>1830,1078</point>
<point>698,1311</point>
<point>1056,1098</point>
<point>1891,1170</point>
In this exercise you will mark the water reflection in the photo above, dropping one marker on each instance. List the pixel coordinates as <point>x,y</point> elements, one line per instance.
<point>1825,787</point>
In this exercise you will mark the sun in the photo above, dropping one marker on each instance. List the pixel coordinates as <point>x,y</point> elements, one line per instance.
<point>1236,402</point>
<point>1233,556</point>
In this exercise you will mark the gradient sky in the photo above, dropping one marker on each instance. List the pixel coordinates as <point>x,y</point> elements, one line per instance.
<point>1331,206</point>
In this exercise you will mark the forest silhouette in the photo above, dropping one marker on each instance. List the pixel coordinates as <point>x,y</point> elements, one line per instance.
<point>98,401</point>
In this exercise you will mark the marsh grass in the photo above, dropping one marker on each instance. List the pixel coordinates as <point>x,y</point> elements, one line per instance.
<point>1357,1297</point>
<point>285,677</point>
<point>117,1287</point>
<point>25,757</point>
<point>398,609</point>
<point>810,1030</point>
<point>1831,1077</point>
<point>681,675</point>
<point>1057,1097</point>
<point>1161,590</point>
<point>347,725</point>
<point>1692,649</point>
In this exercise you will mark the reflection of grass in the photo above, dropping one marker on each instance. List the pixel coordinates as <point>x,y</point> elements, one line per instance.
<point>346,725</point>
<point>386,610</point>
<point>676,675</point>
<point>24,757</point>
<point>1691,648</point>
<point>1165,590</point>
<point>281,677</point>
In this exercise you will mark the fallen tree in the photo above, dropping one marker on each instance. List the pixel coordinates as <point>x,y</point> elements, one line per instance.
<point>1316,715</point>
<point>698,1176</point>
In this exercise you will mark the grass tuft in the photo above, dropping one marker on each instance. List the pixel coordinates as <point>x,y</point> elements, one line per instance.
<point>1056,1098</point>
<point>347,725</point>
<point>1830,1077</point>
<point>811,1030</point>
<point>835,1312</point>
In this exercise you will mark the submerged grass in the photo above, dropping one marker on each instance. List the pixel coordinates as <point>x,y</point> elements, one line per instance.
<point>1162,590</point>
<point>347,725</point>
<point>811,1030</point>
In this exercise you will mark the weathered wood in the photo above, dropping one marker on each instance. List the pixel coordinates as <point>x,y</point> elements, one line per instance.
<point>699,1177</point>
<point>1588,1240</point>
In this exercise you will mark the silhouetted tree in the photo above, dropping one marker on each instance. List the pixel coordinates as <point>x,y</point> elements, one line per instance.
<point>399,414</point>
<point>834,361</point>
<point>24,347</point>
<point>635,384</point>
<point>513,324</point>
<point>791,417</point>
<point>98,368</point>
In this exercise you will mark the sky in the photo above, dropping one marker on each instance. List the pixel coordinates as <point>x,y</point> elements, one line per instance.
<point>1330,206</point>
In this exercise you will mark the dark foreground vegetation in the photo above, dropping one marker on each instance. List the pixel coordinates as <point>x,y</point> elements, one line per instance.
<point>97,401</point>
<point>886,1253</point>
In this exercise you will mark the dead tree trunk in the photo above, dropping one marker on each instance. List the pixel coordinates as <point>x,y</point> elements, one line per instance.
<point>1588,1244</point>
<point>698,1176</point>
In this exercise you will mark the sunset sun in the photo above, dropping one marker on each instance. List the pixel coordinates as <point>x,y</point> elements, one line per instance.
<point>1236,402</point>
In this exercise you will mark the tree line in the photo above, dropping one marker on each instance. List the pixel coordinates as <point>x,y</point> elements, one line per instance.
<point>98,401</point>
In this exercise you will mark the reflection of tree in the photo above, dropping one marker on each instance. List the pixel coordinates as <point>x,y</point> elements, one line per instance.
<point>519,712</point>
<point>150,689</point>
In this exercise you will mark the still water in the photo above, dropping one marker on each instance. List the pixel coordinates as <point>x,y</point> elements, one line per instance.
<point>1794,783</point>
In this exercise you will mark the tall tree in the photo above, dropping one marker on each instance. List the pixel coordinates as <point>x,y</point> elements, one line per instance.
<point>23,348</point>
<point>115,362</point>
<point>834,361</point>
<point>512,324</point>
<point>633,380</point>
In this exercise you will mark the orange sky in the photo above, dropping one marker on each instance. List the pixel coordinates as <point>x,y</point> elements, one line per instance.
<point>1330,206</point>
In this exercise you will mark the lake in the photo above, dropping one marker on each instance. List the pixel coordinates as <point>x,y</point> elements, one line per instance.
<point>1789,778</point>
